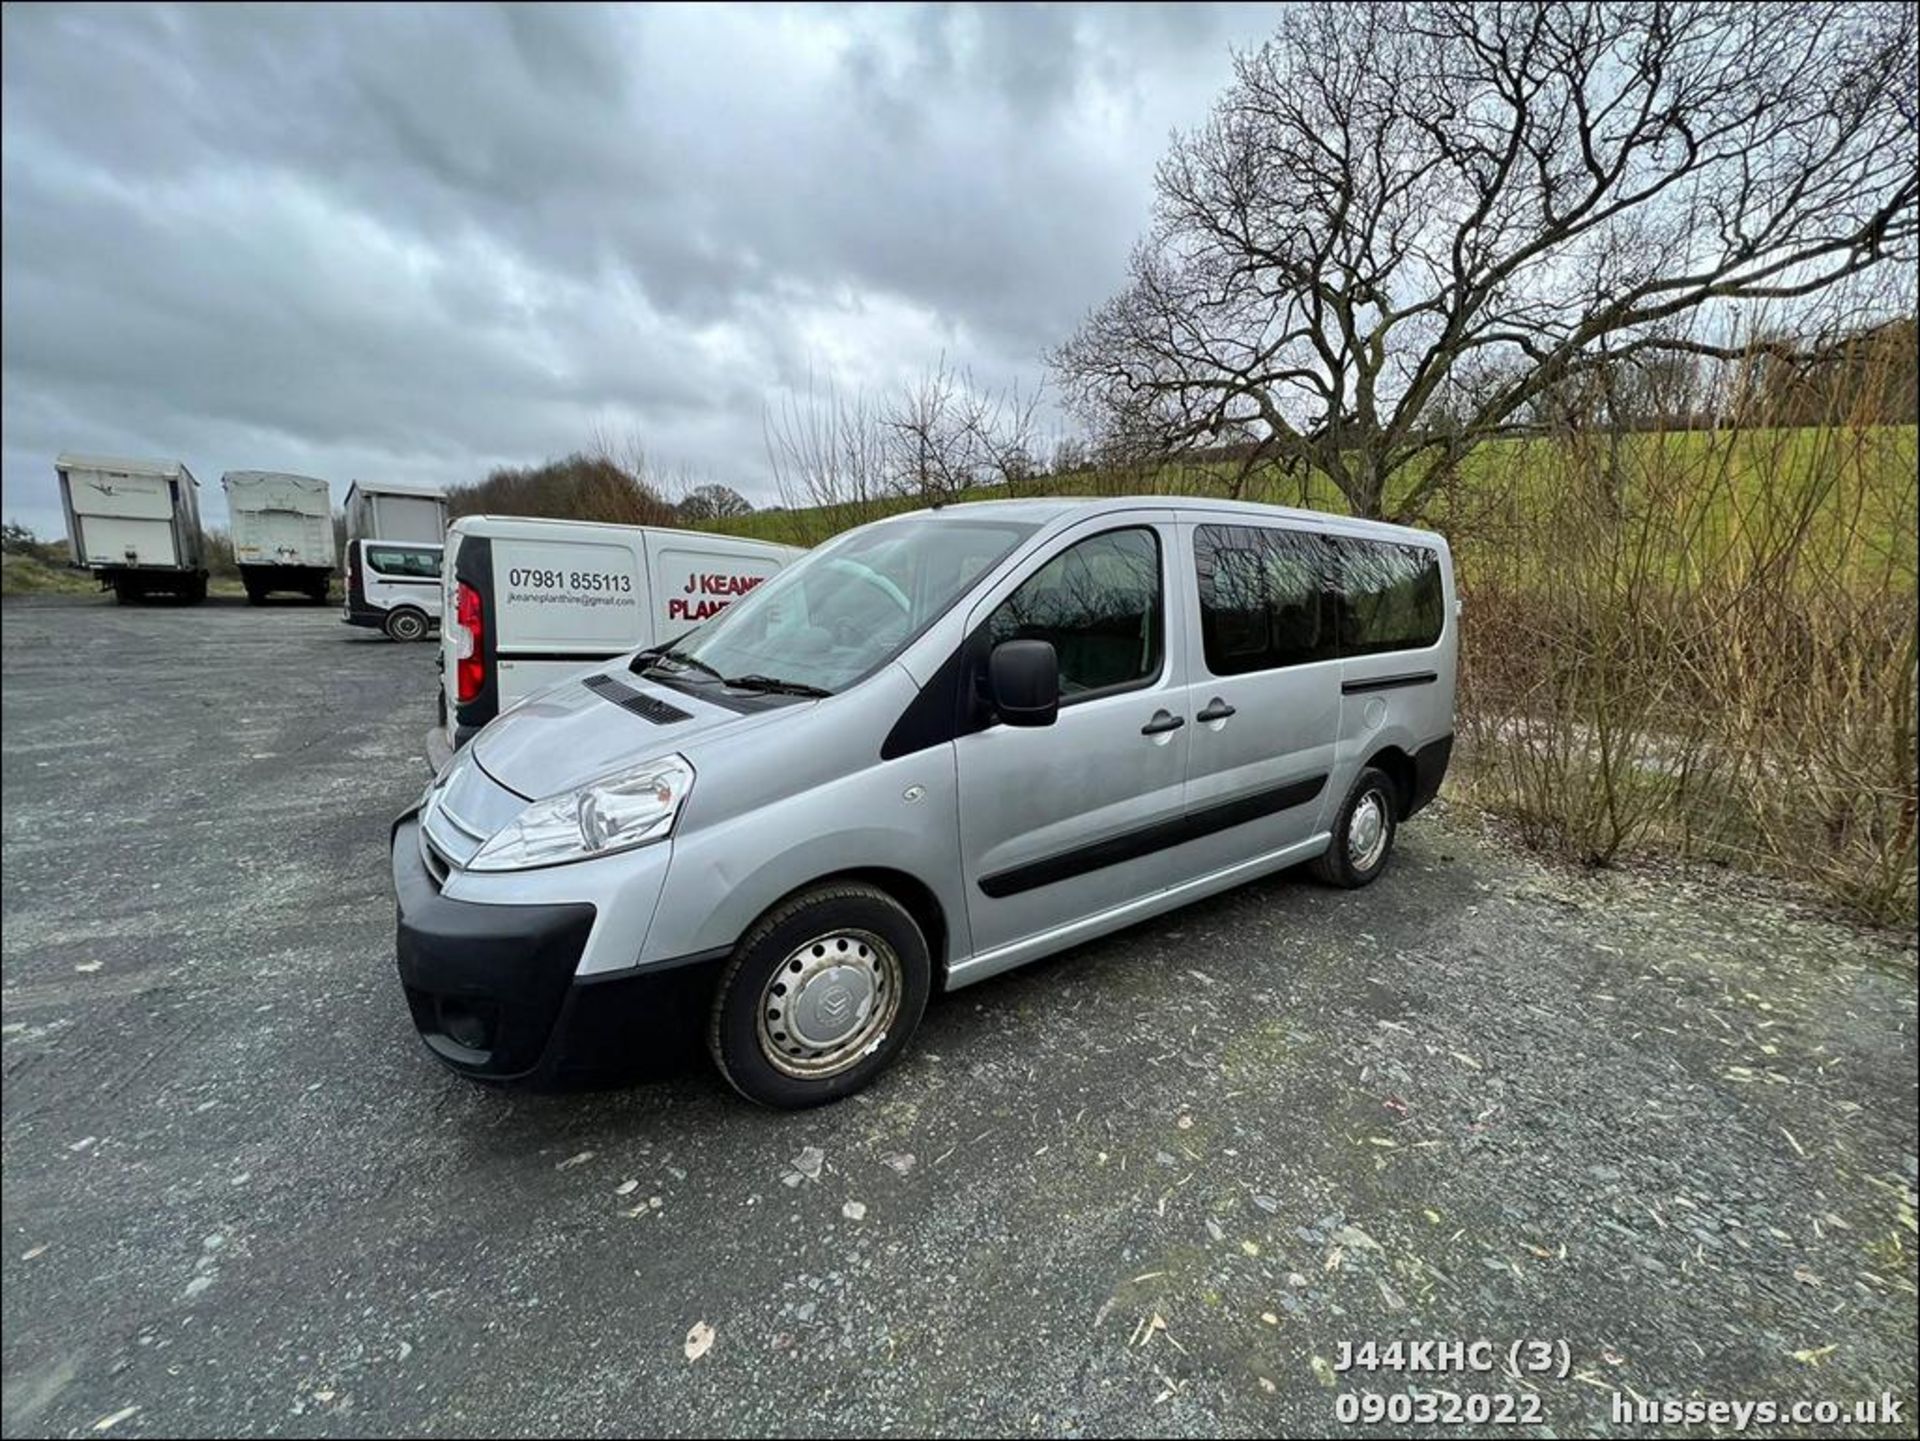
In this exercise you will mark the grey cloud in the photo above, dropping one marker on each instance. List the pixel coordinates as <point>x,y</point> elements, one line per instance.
<point>420,242</point>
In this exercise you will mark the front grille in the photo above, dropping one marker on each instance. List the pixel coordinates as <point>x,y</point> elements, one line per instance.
<point>647,707</point>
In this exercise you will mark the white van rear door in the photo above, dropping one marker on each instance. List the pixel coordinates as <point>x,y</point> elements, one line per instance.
<point>573,597</point>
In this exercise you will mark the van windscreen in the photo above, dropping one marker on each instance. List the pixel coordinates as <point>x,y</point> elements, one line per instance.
<point>844,610</point>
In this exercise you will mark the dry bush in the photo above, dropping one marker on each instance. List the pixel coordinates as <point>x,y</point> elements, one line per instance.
<point>582,486</point>
<point>1703,642</point>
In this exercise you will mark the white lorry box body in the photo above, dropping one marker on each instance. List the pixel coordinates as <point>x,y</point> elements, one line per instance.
<point>282,529</point>
<point>554,596</point>
<point>392,510</point>
<point>135,524</point>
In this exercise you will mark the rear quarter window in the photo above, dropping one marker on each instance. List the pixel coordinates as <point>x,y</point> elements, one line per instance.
<point>1389,596</point>
<point>404,561</point>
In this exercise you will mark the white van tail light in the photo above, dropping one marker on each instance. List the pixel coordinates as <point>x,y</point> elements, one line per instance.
<point>469,631</point>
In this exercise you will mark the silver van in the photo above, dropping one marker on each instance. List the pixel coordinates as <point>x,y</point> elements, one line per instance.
<point>938,746</point>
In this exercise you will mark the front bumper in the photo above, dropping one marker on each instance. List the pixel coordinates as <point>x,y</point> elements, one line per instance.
<point>494,992</point>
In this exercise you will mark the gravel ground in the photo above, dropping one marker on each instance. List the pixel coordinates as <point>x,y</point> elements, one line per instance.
<point>1149,1186</point>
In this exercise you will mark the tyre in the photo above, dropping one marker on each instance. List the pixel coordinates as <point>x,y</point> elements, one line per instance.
<point>821,995</point>
<point>195,592</point>
<point>256,596</point>
<point>1363,833</point>
<point>405,624</point>
<point>125,592</point>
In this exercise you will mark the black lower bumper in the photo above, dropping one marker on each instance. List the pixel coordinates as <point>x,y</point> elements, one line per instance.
<point>1429,769</point>
<point>493,992</point>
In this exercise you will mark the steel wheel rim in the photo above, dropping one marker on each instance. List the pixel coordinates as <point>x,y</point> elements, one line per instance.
<point>407,627</point>
<point>829,1004</point>
<point>1367,831</point>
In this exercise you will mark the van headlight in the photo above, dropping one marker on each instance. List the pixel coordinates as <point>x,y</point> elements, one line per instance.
<point>615,813</point>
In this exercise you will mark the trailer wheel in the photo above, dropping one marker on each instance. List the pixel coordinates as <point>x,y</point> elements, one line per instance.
<point>125,592</point>
<point>405,624</point>
<point>196,590</point>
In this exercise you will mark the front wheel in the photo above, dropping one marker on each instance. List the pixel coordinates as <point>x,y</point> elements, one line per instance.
<point>405,624</point>
<point>822,994</point>
<point>1363,833</point>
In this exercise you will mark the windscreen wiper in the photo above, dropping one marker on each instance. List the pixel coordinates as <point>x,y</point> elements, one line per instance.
<point>667,653</point>
<point>773,685</point>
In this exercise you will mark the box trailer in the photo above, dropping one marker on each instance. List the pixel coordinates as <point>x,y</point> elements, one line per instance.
<point>391,510</point>
<point>282,528</point>
<point>135,524</point>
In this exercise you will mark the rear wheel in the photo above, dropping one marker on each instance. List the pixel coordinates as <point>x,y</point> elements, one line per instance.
<point>822,994</point>
<point>125,592</point>
<point>405,624</point>
<point>1363,833</point>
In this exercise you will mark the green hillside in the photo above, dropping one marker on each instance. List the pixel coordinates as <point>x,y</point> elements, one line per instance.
<point>1851,488</point>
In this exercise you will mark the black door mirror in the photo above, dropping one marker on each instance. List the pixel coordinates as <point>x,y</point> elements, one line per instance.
<point>1024,679</point>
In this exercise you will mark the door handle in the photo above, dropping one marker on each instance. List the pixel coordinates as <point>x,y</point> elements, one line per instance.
<point>1162,722</point>
<point>1217,709</point>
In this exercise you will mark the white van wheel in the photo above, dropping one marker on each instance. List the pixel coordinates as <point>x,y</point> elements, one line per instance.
<point>405,624</point>
<point>822,993</point>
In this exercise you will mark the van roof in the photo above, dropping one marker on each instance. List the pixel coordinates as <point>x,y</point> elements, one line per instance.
<point>465,525</point>
<point>397,487</point>
<point>1042,510</point>
<point>247,475</point>
<point>167,469</point>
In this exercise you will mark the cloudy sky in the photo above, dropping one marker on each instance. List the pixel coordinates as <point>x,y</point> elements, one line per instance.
<point>417,243</point>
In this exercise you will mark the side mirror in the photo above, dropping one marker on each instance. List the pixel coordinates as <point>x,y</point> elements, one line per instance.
<point>1023,676</point>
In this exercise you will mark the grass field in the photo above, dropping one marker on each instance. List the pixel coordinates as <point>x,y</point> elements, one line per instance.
<point>1852,487</point>
<point>29,575</point>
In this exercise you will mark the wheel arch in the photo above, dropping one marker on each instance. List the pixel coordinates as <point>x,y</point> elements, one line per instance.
<point>1399,768</point>
<point>914,895</point>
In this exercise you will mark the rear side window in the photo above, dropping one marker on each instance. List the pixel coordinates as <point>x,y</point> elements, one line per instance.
<point>1262,598</point>
<point>1098,602</point>
<point>404,561</point>
<point>1389,596</point>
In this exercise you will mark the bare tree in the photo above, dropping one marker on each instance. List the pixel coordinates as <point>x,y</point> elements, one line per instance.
<point>712,501</point>
<point>828,456</point>
<point>947,435</point>
<point>1407,222</point>
<point>842,460</point>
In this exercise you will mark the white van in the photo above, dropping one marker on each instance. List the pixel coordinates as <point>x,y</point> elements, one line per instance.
<point>528,602</point>
<point>393,586</point>
<point>936,747</point>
